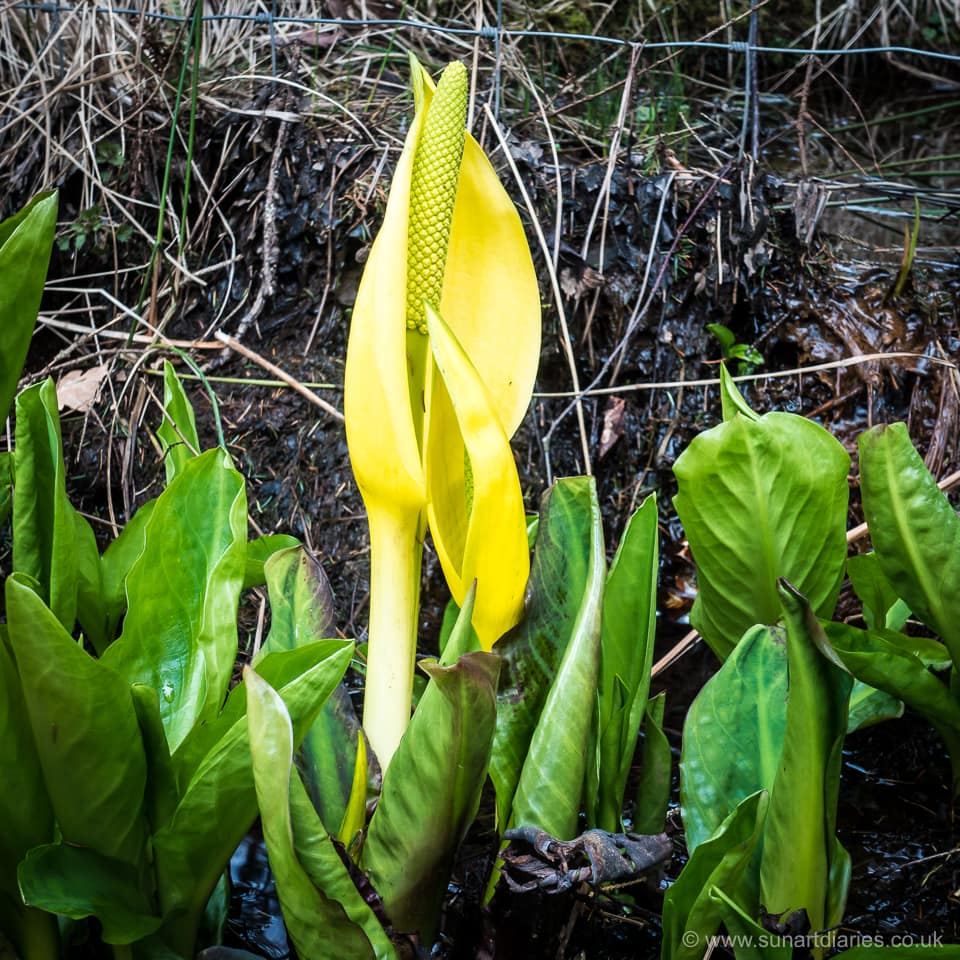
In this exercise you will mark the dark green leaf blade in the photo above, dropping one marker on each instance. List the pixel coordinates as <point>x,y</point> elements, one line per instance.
<point>77,882</point>
<point>301,607</point>
<point>180,631</point>
<point>761,500</point>
<point>653,792</point>
<point>733,733</point>
<point>25,810</point>
<point>532,651</point>
<point>85,729</point>
<point>551,783</point>
<point>44,529</point>
<point>218,798</point>
<point>691,916</point>
<point>629,621</point>
<point>800,849</point>
<point>313,920</point>
<point>431,791</point>
<point>914,530</point>
<point>26,240</point>
<point>871,657</point>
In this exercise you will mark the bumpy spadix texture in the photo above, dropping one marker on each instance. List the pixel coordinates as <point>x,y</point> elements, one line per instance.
<point>436,169</point>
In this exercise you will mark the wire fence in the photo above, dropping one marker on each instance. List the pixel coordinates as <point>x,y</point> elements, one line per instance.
<point>271,19</point>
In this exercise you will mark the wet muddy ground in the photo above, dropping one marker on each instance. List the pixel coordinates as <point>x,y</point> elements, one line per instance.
<point>689,237</point>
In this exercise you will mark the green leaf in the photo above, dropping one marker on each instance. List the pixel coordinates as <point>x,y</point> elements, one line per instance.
<point>78,882</point>
<point>178,430</point>
<point>691,916</point>
<point>218,802</point>
<point>259,551</point>
<point>872,657</point>
<point>161,795</point>
<point>462,638</point>
<point>350,831</point>
<point>115,565</point>
<point>44,529</point>
<point>733,733</point>
<point>914,530</point>
<point>552,779</point>
<point>180,631</point>
<point>531,652</point>
<point>881,605</point>
<point>753,942</point>
<point>91,610</point>
<point>629,621</point>
<point>25,810</point>
<point>301,608</point>
<point>731,399</point>
<point>653,792</point>
<point>6,485</point>
<point>800,849</point>
<point>761,500</point>
<point>85,729</point>
<point>314,919</point>
<point>869,706</point>
<point>431,791</point>
<point>26,240</point>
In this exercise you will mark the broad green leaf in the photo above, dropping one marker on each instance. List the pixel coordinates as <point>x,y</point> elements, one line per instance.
<point>431,791</point>
<point>25,810</point>
<point>180,631</point>
<point>314,920</point>
<point>800,849</point>
<point>653,792</point>
<point>279,669</point>
<point>301,609</point>
<point>78,882</point>
<point>629,621</point>
<point>871,657</point>
<point>761,500</point>
<point>26,240</point>
<point>85,729</point>
<point>178,430</point>
<point>116,563</point>
<point>881,605</point>
<point>691,916</point>
<point>44,528</point>
<point>914,530</point>
<point>532,651</point>
<point>322,862</point>
<point>218,802</point>
<point>552,779</point>
<point>259,551</point>
<point>733,733</point>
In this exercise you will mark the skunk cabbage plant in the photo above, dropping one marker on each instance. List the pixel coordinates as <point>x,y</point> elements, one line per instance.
<point>443,350</point>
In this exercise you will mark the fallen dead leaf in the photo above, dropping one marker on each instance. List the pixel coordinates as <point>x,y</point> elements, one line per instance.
<point>77,389</point>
